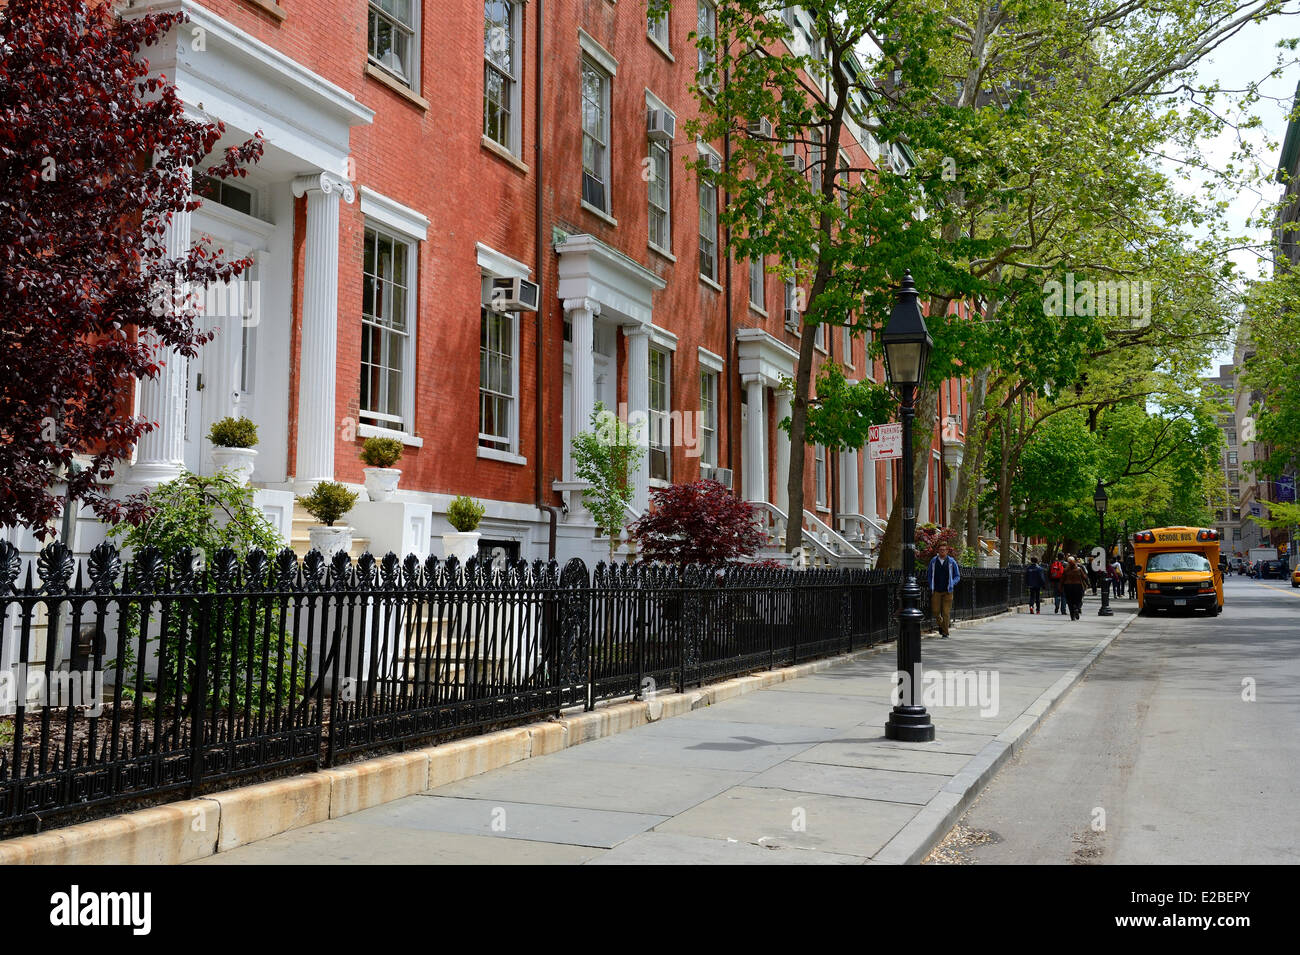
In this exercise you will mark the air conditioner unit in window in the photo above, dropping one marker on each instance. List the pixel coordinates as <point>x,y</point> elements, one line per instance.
<point>658,460</point>
<point>661,125</point>
<point>795,163</point>
<point>761,127</point>
<point>722,476</point>
<point>706,472</point>
<point>792,319</point>
<point>513,295</point>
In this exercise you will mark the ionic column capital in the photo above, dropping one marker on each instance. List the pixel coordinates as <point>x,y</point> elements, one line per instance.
<point>326,182</point>
<point>582,305</point>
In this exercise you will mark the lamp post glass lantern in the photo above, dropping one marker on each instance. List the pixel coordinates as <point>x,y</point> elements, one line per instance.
<point>907,345</point>
<point>1099,501</point>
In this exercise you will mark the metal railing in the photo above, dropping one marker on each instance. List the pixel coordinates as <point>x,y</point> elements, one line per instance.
<point>161,678</point>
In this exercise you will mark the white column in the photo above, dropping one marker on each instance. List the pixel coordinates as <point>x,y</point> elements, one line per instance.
<point>582,313</point>
<point>638,405</point>
<point>869,492</point>
<point>849,483</point>
<point>755,441</point>
<point>160,454</point>
<point>782,451</point>
<point>318,364</point>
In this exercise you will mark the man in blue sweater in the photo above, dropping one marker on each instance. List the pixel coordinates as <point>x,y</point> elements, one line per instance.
<point>944,576</point>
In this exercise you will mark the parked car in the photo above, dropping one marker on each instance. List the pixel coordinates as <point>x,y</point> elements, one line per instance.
<point>1295,577</point>
<point>1272,570</point>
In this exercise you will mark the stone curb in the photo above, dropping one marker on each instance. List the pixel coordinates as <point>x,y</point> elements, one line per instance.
<point>194,829</point>
<point>911,844</point>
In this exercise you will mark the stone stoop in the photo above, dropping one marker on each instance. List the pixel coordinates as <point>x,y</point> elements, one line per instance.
<point>301,542</point>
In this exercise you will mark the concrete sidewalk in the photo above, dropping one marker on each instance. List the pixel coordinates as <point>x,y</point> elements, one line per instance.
<point>799,773</point>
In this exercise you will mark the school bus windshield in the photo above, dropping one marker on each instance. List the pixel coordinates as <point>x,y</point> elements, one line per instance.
<point>1177,562</point>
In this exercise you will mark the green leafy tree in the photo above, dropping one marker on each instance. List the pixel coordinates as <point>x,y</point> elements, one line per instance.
<point>605,457</point>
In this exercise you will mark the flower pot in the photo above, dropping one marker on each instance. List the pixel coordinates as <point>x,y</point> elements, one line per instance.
<point>237,462</point>
<point>330,540</point>
<point>381,482</point>
<point>461,546</point>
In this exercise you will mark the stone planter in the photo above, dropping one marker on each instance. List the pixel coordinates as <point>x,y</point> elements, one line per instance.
<point>381,482</point>
<point>330,540</point>
<point>238,462</point>
<point>461,546</point>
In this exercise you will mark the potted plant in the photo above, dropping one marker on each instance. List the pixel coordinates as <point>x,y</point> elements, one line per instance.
<point>327,503</point>
<point>381,477</point>
<point>464,515</point>
<point>233,447</point>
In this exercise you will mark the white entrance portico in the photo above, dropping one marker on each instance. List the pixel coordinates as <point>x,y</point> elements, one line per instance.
<point>763,363</point>
<point>604,292</point>
<point>223,73</point>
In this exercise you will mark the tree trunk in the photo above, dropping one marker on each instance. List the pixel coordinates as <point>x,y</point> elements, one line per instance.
<point>963,500</point>
<point>798,428</point>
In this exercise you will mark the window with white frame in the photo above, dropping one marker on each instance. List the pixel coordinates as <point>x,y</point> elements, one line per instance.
<point>387,319</point>
<point>846,341</point>
<point>819,459</point>
<point>706,29</point>
<point>498,341</point>
<point>709,417</point>
<point>657,28</point>
<point>793,320</point>
<point>757,284</point>
<point>595,135</point>
<point>501,73</point>
<point>660,436</point>
<point>819,335</point>
<point>660,185</point>
<point>393,37</point>
<point>815,156</point>
<point>709,216</point>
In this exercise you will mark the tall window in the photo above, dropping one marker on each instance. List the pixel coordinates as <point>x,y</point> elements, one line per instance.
<point>392,37</point>
<point>595,136</point>
<point>1232,458</point>
<point>657,29</point>
<point>660,195</point>
<point>706,29</point>
<point>815,157</point>
<point>846,338</point>
<point>660,435</point>
<point>386,302</point>
<point>757,284</point>
<point>500,72</point>
<point>819,459</point>
<point>709,418</point>
<point>496,388</point>
<point>819,335</point>
<point>792,317</point>
<point>708,229</point>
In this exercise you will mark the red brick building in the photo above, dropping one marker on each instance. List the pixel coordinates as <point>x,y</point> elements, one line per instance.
<point>407,168</point>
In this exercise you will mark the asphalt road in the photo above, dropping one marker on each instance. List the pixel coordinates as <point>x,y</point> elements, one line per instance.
<point>1155,757</point>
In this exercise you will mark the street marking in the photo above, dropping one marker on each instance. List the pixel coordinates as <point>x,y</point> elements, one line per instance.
<point>1289,590</point>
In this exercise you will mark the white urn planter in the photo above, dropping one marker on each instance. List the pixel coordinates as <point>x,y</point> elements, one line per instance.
<point>381,482</point>
<point>330,540</point>
<point>462,546</point>
<point>238,462</point>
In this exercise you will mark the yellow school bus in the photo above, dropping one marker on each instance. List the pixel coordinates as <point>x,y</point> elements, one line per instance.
<point>1177,569</point>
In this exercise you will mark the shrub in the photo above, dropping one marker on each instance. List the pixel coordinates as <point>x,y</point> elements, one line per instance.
<point>328,502</point>
<point>464,514</point>
<point>204,515</point>
<point>233,433</point>
<point>700,523</point>
<point>381,452</point>
<point>930,536</point>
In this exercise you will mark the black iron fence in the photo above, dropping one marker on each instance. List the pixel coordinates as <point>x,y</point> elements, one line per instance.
<point>155,679</point>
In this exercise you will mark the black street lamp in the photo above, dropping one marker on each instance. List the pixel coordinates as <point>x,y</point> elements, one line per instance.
<point>1099,500</point>
<point>907,346</point>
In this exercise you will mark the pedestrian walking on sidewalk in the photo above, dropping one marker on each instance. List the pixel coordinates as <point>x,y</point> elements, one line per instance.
<point>1034,580</point>
<point>1117,579</point>
<point>944,576</point>
<point>1054,574</point>
<point>1074,581</point>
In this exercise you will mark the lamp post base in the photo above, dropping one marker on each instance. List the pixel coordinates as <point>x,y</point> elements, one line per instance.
<point>909,724</point>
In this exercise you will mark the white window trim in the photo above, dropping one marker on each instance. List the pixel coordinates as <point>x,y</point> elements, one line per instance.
<point>654,102</point>
<point>380,223</point>
<point>704,149</point>
<point>709,360</point>
<point>602,57</point>
<point>714,373</point>
<point>662,45</point>
<point>657,345</point>
<point>417,50</point>
<point>601,62</point>
<point>374,431</point>
<point>393,216</point>
<point>510,455</point>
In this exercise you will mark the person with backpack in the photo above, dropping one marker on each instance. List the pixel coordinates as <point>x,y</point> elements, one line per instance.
<point>1034,580</point>
<point>1054,574</point>
<point>944,576</point>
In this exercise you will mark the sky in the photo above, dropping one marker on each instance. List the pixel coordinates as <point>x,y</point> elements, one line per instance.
<point>1246,57</point>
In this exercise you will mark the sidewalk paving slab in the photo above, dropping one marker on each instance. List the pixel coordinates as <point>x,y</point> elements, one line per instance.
<point>795,773</point>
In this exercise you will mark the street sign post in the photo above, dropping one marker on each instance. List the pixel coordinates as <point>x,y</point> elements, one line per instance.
<point>885,442</point>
